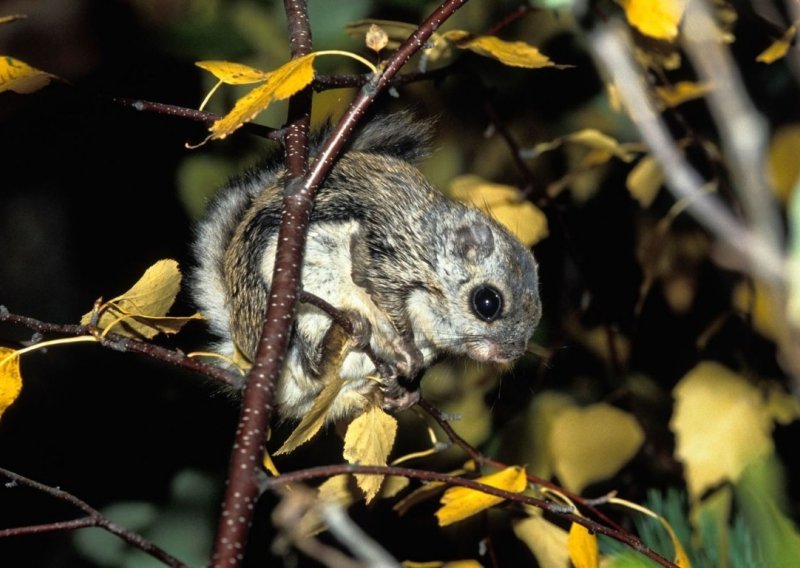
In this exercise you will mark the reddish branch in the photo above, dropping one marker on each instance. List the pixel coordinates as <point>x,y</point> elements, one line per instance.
<point>428,476</point>
<point>118,342</point>
<point>94,518</point>
<point>242,490</point>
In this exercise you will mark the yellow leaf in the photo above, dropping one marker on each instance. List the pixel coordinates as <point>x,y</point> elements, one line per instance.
<point>538,422</point>
<point>682,91</point>
<point>780,47</point>
<point>282,83</point>
<point>644,180</point>
<point>759,302</point>
<point>459,503</point>
<point>368,441</point>
<point>315,418</point>
<point>583,453</point>
<point>233,73</point>
<point>681,558</point>
<point>269,465</point>
<point>393,485</point>
<point>12,18</point>
<point>655,18</point>
<point>337,489</point>
<point>18,76</point>
<point>151,297</point>
<point>783,165</point>
<point>505,204</point>
<point>546,541</point>
<point>582,547</point>
<point>721,423</point>
<point>595,140</point>
<point>376,39</point>
<point>10,378</point>
<point>512,53</point>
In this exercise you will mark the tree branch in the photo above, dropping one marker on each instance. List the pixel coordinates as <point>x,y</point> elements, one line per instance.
<point>298,200</point>
<point>94,518</point>
<point>422,475</point>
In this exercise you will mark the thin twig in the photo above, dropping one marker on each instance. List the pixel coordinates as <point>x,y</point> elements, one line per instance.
<point>118,342</point>
<point>196,115</point>
<point>423,475</point>
<point>94,518</point>
<point>481,459</point>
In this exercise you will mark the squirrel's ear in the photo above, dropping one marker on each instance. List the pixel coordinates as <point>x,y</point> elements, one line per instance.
<point>474,240</point>
<point>400,135</point>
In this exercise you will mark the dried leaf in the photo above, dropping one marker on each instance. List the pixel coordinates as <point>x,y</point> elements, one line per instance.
<point>583,453</point>
<point>393,485</point>
<point>396,32</point>
<point>149,299</point>
<point>18,76</point>
<point>780,47</point>
<point>10,378</point>
<point>369,439</point>
<point>512,53</point>
<point>582,546</point>
<point>233,73</point>
<point>655,18</point>
<point>269,465</point>
<point>644,180</point>
<point>681,92</point>
<point>337,489</point>
<point>722,423</point>
<point>547,542</point>
<point>282,83</point>
<point>593,139</point>
<point>376,39</point>
<point>459,503</point>
<point>313,420</point>
<point>505,204</point>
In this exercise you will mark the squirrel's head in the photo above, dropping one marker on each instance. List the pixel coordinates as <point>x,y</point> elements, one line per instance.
<point>486,299</point>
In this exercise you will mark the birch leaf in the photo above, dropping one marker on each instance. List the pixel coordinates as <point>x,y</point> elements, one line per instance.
<point>150,298</point>
<point>459,503</point>
<point>505,204</point>
<point>368,441</point>
<point>780,47</point>
<point>282,83</point>
<point>10,378</point>
<point>644,180</point>
<point>312,421</point>
<point>582,546</point>
<point>376,39</point>
<point>511,53</point>
<point>583,453</point>
<point>655,18</point>
<point>722,423</point>
<point>233,73</point>
<point>18,76</point>
<point>593,139</point>
<point>547,542</point>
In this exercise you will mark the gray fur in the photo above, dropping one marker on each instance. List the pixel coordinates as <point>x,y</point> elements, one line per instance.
<point>383,245</point>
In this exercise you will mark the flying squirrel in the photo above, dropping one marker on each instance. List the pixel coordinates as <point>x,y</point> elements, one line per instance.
<point>420,275</point>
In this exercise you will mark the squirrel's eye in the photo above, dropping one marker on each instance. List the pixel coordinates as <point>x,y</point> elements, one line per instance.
<point>487,303</point>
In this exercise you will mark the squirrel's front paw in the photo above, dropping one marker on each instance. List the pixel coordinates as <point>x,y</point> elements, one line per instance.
<point>397,397</point>
<point>410,361</point>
